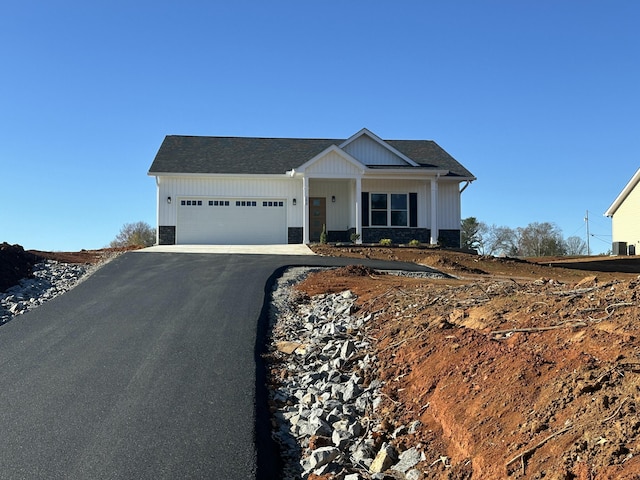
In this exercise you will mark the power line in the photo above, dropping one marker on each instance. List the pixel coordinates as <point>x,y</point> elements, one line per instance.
<point>598,237</point>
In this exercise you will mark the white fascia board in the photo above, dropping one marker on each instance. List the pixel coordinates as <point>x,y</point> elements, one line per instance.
<point>623,195</point>
<point>332,175</point>
<point>325,152</point>
<point>380,141</point>
<point>407,172</point>
<point>221,175</point>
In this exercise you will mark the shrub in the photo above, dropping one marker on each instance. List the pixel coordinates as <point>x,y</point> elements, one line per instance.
<point>355,237</point>
<point>385,242</point>
<point>323,235</point>
<point>414,243</point>
<point>138,233</point>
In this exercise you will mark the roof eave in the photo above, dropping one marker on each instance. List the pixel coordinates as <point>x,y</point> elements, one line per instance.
<point>623,194</point>
<point>202,174</point>
<point>411,171</point>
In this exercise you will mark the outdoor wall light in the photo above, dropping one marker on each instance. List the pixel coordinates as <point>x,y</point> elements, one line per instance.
<point>168,199</point>
<point>294,201</point>
<point>333,199</point>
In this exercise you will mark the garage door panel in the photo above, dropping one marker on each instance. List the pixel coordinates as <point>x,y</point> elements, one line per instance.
<point>232,221</point>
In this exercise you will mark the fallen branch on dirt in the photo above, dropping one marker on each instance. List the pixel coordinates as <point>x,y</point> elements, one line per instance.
<point>614,414</point>
<point>581,291</point>
<point>397,344</point>
<point>609,310</point>
<point>522,456</point>
<point>484,290</point>
<point>445,461</point>
<point>578,323</point>
<point>527,452</point>
<point>471,302</point>
<point>618,367</point>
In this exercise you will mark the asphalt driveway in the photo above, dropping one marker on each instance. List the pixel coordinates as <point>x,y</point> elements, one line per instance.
<point>149,369</point>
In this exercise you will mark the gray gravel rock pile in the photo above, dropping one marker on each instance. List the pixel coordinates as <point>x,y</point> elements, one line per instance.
<point>322,396</point>
<point>50,279</point>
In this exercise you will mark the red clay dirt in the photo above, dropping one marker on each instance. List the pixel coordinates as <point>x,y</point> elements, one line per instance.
<point>16,263</point>
<point>84,256</point>
<point>516,370</point>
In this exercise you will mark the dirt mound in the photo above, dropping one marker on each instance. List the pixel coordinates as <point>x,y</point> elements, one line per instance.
<point>15,264</point>
<point>526,372</point>
<point>447,263</point>
<point>84,256</point>
<point>356,271</point>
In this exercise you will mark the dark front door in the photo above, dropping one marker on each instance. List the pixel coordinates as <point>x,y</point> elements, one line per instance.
<point>317,217</point>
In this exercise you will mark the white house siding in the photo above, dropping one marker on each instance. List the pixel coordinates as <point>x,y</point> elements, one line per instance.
<point>448,205</point>
<point>626,220</point>
<point>332,165</point>
<point>285,188</point>
<point>370,152</point>
<point>338,213</point>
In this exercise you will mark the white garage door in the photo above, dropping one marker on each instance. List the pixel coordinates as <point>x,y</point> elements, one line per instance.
<point>237,221</point>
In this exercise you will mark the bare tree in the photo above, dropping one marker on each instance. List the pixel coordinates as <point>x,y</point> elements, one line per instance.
<point>576,246</point>
<point>540,239</point>
<point>499,240</point>
<point>138,234</point>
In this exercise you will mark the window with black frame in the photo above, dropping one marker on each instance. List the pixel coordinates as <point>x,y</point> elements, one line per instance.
<point>399,214</point>
<point>389,209</point>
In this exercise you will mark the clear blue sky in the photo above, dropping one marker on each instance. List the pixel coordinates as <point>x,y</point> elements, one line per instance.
<point>539,99</point>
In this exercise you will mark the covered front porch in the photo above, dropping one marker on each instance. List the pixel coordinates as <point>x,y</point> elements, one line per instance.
<point>367,210</point>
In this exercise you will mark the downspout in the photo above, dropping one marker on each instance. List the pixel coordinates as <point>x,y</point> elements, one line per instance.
<point>465,186</point>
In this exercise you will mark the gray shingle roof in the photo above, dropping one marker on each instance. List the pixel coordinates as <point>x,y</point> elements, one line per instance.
<point>245,155</point>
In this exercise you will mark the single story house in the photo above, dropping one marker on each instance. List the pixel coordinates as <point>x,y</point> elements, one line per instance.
<point>625,218</point>
<point>238,190</point>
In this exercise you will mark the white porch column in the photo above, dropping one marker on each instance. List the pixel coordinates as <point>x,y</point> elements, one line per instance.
<point>358,209</point>
<point>305,210</point>
<point>434,211</point>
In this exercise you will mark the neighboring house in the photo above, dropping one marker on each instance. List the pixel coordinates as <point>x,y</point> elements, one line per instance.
<point>625,218</point>
<point>237,190</point>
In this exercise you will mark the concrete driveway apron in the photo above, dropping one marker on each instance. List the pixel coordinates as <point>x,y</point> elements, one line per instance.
<point>149,369</point>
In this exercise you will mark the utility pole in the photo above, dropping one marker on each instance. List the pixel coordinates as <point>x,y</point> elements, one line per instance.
<point>586,219</point>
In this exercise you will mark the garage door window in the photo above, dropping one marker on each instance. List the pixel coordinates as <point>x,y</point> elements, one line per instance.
<point>218,203</point>
<point>191,203</point>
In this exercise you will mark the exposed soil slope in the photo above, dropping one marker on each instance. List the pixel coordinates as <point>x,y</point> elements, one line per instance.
<point>515,369</point>
<point>17,263</point>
